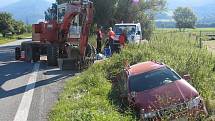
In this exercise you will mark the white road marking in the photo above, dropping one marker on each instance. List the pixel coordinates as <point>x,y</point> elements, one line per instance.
<point>24,107</point>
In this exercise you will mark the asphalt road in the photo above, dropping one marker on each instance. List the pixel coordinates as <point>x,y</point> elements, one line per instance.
<point>27,90</point>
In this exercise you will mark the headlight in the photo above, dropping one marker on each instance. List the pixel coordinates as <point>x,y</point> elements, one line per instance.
<point>194,103</point>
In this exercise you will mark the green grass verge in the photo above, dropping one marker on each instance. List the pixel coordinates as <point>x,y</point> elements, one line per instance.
<point>90,96</point>
<point>86,98</point>
<point>187,30</point>
<point>4,40</point>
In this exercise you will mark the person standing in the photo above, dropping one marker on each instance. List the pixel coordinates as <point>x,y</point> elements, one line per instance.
<point>99,39</point>
<point>122,39</point>
<point>111,35</point>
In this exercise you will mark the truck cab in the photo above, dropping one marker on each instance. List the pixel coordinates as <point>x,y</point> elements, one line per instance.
<point>133,30</point>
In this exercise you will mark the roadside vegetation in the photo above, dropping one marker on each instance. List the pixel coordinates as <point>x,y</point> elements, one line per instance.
<point>11,29</point>
<point>4,40</point>
<point>187,30</point>
<point>90,96</point>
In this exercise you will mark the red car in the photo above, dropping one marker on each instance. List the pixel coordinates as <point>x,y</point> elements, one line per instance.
<point>158,92</point>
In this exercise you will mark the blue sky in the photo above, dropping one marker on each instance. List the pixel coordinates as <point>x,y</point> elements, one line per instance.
<point>7,2</point>
<point>172,3</point>
<point>189,3</point>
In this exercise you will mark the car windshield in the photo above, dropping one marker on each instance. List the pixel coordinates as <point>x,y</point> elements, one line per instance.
<point>152,79</point>
<point>131,29</point>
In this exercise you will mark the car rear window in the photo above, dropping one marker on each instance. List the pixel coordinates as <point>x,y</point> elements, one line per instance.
<point>152,79</point>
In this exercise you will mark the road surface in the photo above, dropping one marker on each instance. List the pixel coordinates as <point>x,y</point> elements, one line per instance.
<point>27,90</point>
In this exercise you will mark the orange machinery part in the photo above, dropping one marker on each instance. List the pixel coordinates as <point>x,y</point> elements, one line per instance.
<point>45,32</point>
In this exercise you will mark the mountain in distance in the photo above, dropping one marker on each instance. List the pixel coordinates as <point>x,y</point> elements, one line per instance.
<point>204,9</point>
<point>28,11</point>
<point>31,11</point>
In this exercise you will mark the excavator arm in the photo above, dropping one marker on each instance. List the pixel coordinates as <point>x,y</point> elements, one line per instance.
<point>86,28</point>
<point>87,17</point>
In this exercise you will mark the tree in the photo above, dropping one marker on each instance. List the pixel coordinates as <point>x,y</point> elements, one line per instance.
<point>140,11</point>
<point>51,13</point>
<point>28,28</point>
<point>104,12</point>
<point>5,23</point>
<point>18,27</point>
<point>108,12</point>
<point>185,18</point>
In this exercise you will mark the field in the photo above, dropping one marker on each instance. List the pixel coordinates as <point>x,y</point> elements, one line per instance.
<point>90,96</point>
<point>13,38</point>
<point>187,30</point>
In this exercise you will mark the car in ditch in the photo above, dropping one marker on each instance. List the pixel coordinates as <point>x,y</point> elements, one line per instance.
<point>158,92</point>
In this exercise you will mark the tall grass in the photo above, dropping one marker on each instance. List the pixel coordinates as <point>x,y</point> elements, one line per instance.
<point>90,96</point>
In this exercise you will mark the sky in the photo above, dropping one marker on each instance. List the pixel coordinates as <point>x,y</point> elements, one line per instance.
<point>8,2</point>
<point>172,3</point>
<point>189,3</point>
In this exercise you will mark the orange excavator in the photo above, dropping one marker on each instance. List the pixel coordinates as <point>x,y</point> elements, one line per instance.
<point>65,40</point>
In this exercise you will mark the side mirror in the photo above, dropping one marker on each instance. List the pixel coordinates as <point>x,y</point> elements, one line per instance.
<point>187,77</point>
<point>138,33</point>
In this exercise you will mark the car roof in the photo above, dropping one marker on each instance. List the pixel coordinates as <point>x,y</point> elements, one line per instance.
<point>144,67</point>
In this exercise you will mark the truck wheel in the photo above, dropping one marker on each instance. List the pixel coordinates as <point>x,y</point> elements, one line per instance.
<point>35,53</point>
<point>91,53</point>
<point>28,52</point>
<point>17,53</point>
<point>23,46</point>
<point>52,55</point>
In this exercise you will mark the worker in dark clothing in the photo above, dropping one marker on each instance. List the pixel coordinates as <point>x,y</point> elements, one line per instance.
<point>99,39</point>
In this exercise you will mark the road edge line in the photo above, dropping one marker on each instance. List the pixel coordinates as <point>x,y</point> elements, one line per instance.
<point>25,104</point>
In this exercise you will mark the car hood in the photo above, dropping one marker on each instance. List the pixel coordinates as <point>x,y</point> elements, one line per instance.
<point>167,95</point>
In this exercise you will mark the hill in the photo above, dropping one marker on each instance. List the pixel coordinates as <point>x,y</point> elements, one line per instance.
<point>29,11</point>
<point>203,9</point>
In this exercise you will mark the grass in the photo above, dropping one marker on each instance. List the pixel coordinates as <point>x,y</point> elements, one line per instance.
<point>86,98</point>
<point>188,30</point>
<point>90,96</point>
<point>4,40</point>
<point>210,45</point>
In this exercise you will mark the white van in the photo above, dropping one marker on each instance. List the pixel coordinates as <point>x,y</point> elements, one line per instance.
<point>134,31</point>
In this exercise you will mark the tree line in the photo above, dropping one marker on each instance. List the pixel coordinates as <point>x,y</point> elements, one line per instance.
<point>109,12</point>
<point>10,26</point>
